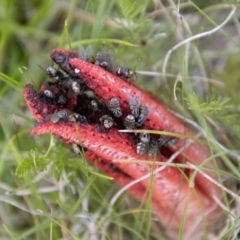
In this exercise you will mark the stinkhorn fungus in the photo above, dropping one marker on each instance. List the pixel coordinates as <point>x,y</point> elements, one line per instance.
<point>88,104</point>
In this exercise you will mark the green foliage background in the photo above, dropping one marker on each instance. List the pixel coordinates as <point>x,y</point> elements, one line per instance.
<point>60,196</point>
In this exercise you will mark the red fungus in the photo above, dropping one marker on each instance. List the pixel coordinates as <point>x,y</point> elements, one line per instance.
<point>172,198</point>
<point>107,85</point>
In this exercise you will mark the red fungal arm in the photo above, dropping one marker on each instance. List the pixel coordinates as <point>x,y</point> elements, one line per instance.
<point>107,86</point>
<point>170,190</point>
<point>39,109</point>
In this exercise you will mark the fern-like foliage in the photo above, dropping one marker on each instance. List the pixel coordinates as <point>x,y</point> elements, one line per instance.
<point>214,106</point>
<point>131,8</point>
<point>31,163</point>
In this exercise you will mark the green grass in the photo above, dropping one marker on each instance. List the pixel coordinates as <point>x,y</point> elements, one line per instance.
<point>70,199</point>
